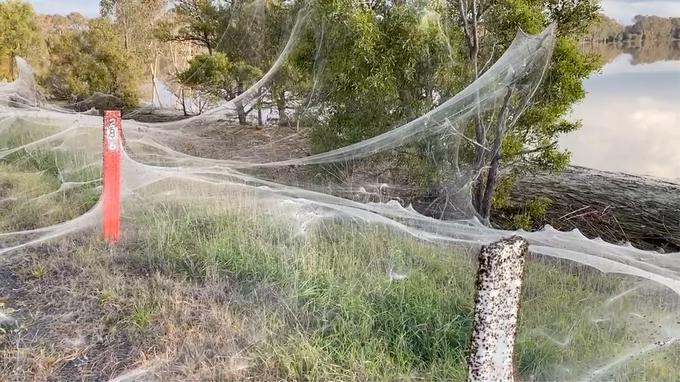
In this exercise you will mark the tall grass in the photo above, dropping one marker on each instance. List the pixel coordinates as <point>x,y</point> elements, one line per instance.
<point>32,196</point>
<point>347,301</point>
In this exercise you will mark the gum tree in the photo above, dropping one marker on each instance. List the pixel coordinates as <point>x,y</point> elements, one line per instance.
<point>488,28</point>
<point>19,36</point>
<point>92,59</point>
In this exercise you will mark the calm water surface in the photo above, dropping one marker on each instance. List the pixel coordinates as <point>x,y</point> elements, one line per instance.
<point>631,115</point>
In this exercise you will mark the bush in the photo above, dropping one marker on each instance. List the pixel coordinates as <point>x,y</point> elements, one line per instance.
<point>92,60</point>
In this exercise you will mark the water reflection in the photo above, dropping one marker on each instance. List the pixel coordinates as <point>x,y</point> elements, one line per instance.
<point>641,53</point>
<point>631,115</point>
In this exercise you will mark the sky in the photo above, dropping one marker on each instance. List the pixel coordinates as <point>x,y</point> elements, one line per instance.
<point>64,7</point>
<point>622,10</point>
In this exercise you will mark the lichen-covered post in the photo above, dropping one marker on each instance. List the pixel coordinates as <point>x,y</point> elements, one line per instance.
<point>499,285</point>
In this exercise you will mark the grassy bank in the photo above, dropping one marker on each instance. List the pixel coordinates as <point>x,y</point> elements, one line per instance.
<point>200,292</point>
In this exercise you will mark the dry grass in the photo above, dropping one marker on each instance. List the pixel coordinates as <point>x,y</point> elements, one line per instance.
<point>218,293</point>
<point>89,315</point>
<point>205,299</point>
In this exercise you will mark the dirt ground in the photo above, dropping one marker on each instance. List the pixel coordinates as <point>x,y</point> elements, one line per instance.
<point>80,312</point>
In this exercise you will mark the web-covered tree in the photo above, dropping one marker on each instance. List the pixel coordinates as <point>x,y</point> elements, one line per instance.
<point>386,63</point>
<point>215,75</point>
<point>381,64</point>
<point>92,59</point>
<point>260,30</point>
<point>246,34</point>
<point>531,145</point>
<point>19,36</point>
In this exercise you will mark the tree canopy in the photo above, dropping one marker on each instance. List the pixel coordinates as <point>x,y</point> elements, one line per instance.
<point>365,66</point>
<point>90,60</point>
<point>19,36</point>
<point>389,62</point>
<point>608,30</point>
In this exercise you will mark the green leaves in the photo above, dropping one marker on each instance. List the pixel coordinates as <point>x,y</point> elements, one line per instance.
<point>382,65</point>
<point>529,147</point>
<point>19,35</point>
<point>199,22</point>
<point>217,75</point>
<point>211,71</point>
<point>90,60</point>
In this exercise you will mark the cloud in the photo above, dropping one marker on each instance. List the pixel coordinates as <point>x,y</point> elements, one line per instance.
<point>630,121</point>
<point>63,7</point>
<point>625,10</point>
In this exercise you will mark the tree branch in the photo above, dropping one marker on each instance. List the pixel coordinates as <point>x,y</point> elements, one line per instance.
<point>532,151</point>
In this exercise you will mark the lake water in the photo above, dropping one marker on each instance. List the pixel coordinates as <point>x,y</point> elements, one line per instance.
<point>631,115</point>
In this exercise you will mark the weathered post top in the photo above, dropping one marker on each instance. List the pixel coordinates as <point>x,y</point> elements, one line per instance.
<point>499,287</point>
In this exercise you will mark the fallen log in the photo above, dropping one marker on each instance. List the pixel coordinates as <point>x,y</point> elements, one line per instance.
<point>617,207</point>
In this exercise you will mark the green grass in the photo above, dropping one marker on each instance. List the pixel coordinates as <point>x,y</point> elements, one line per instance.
<point>142,316</point>
<point>335,313</point>
<point>328,306</point>
<point>30,189</point>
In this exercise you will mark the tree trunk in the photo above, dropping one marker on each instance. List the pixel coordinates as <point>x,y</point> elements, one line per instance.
<point>208,43</point>
<point>471,31</point>
<point>126,32</point>
<point>184,102</point>
<point>492,174</point>
<point>241,112</point>
<point>281,107</point>
<point>258,105</point>
<point>11,66</point>
<point>154,90</point>
<point>499,287</point>
<point>489,190</point>
<point>240,109</point>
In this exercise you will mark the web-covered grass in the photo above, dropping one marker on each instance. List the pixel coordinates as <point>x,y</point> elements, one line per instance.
<point>365,303</point>
<point>334,301</point>
<point>230,269</point>
<point>34,194</point>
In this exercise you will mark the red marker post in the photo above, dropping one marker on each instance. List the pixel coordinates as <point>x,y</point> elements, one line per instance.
<point>111,176</point>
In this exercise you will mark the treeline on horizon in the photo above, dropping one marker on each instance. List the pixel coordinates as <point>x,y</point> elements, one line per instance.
<point>608,30</point>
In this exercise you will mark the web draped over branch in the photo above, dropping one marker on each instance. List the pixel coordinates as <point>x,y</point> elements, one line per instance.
<point>344,185</point>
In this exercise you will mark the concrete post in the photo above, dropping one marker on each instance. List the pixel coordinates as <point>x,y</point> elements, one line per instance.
<point>499,286</point>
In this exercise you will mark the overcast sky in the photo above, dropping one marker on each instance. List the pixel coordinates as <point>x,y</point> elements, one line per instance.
<point>622,10</point>
<point>64,7</point>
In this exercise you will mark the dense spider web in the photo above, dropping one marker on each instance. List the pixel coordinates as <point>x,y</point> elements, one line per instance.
<point>355,185</point>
